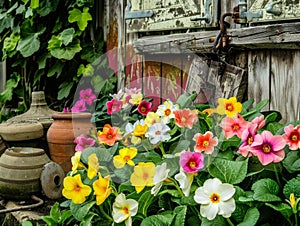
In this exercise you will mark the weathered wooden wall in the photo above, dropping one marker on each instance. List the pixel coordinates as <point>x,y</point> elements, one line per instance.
<point>270,54</point>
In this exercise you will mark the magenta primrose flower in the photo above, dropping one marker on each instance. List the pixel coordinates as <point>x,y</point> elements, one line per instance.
<point>79,106</point>
<point>144,107</point>
<point>191,162</point>
<point>247,138</point>
<point>292,136</point>
<point>114,106</point>
<point>83,142</point>
<point>268,147</point>
<point>87,96</point>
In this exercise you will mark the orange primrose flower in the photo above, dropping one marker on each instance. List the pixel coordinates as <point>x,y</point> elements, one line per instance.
<point>109,135</point>
<point>186,117</point>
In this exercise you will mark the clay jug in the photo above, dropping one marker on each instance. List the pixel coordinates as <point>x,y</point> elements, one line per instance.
<point>20,171</point>
<point>62,133</point>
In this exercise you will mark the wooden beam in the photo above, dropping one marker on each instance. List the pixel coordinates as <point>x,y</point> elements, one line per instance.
<point>274,36</point>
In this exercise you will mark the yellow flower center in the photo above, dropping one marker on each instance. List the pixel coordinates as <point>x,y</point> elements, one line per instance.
<point>127,157</point>
<point>229,107</point>
<point>183,119</point>
<point>266,148</point>
<point>192,164</point>
<point>143,109</point>
<point>77,188</point>
<point>109,136</point>
<point>236,127</point>
<point>250,140</point>
<point>294,137</point>
<point>145,176</point>
<point>205,143</point>
<point>215,198</point>
<point>125,210</point>
<point>167,112</point>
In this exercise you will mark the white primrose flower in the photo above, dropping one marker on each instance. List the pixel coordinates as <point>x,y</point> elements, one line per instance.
<point>185,181</point>
<point>166,110</point>
<point>124,209</point>
<point>215,198</point>
<point>161,174</point>
<point>158,132</point>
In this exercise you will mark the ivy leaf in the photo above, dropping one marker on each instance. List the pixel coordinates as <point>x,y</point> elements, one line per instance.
<point>232,172</point>
<point>11,84</point>
<point>81,18</point>
<point>56,69</point>
<point>250,218</point>
<point>66,36</point>
<point>65,89</point>
<point>85,71</point>
<point>67,52</point>
<point>29,45</point>
<point>34,4</point>
<point>11,42</point>
<point>266,190</point>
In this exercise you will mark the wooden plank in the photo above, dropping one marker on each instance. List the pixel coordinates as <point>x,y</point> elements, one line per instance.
<point>285,84</point>
<point>278,36</point>
<point>259,76</point>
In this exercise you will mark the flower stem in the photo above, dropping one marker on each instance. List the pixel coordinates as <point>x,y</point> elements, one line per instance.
<point>296,219</point>
<point>229,222</point>
<point>277,176</point>
<point>105,215</point>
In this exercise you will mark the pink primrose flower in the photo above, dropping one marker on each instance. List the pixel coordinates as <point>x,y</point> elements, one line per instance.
<point>186,117</point>
<point>87,96</point>
<point>132,91</point>
<point>259,122</point>
<point>205,142</point>
<point>114,106</point>
<point>79,106</point>
<point>83,142</point>
<point>144,107</point>
<point>292,136</point>
<point>234,126</point>
<point>268,147</point>
<point>191,162</point>
<point>247,138</point>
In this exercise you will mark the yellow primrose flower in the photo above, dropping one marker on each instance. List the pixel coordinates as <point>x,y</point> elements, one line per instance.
<point>136,98</point>
<point>125,156</point>
<point>76,164</point>
<point>93,166</point>
<point>75,190</point>
<point>135,140</point>
<point>152,118</point>
<point>140,130</point>
<point>102,189</point>
<point>230,106</point>
<point>142,175</point>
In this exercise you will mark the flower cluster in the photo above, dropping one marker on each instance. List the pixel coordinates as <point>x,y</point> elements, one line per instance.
<point>86,98</point>
<point>182,164</point>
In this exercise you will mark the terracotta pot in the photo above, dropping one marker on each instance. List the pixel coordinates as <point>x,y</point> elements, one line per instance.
<point>61,134</point>
<point>20,171</point>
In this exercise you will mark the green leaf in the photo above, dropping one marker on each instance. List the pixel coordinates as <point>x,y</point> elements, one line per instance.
<point>266,190</point>
<point>158,220</point>
<point>27,223</point>
<point>11,42</point>
<point>67,52</point>
<point>56,69</point>
<point>49,221</point>
<point>232,172</point>
<point>65,89</point>
<point>81,18</point>
<point>292,161</point>
<point>65,215</point>
<point>66,36</point>
<point>260,105</point>
<point>180,213</point>
<point>55,213</point>
<point>179,146</point>
<point>292,186</point>
<point>29,45</point>
<point>283,208</point>
<point>218,221</point>
<point>145,201</point>
<point>85,71</point>
<point>34,4</point>
<point>272,116</point>
<point>274,127</point>
<point>185,100</point>
<point>11,84</point>
<point>103,154</point>
<point>80,211</point>
<point>250,218</point>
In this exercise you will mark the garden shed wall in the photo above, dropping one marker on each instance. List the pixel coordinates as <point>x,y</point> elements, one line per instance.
<point>268,51</point>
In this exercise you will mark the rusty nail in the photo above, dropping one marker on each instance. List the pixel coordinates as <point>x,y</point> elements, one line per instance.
<point>277,32</point>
